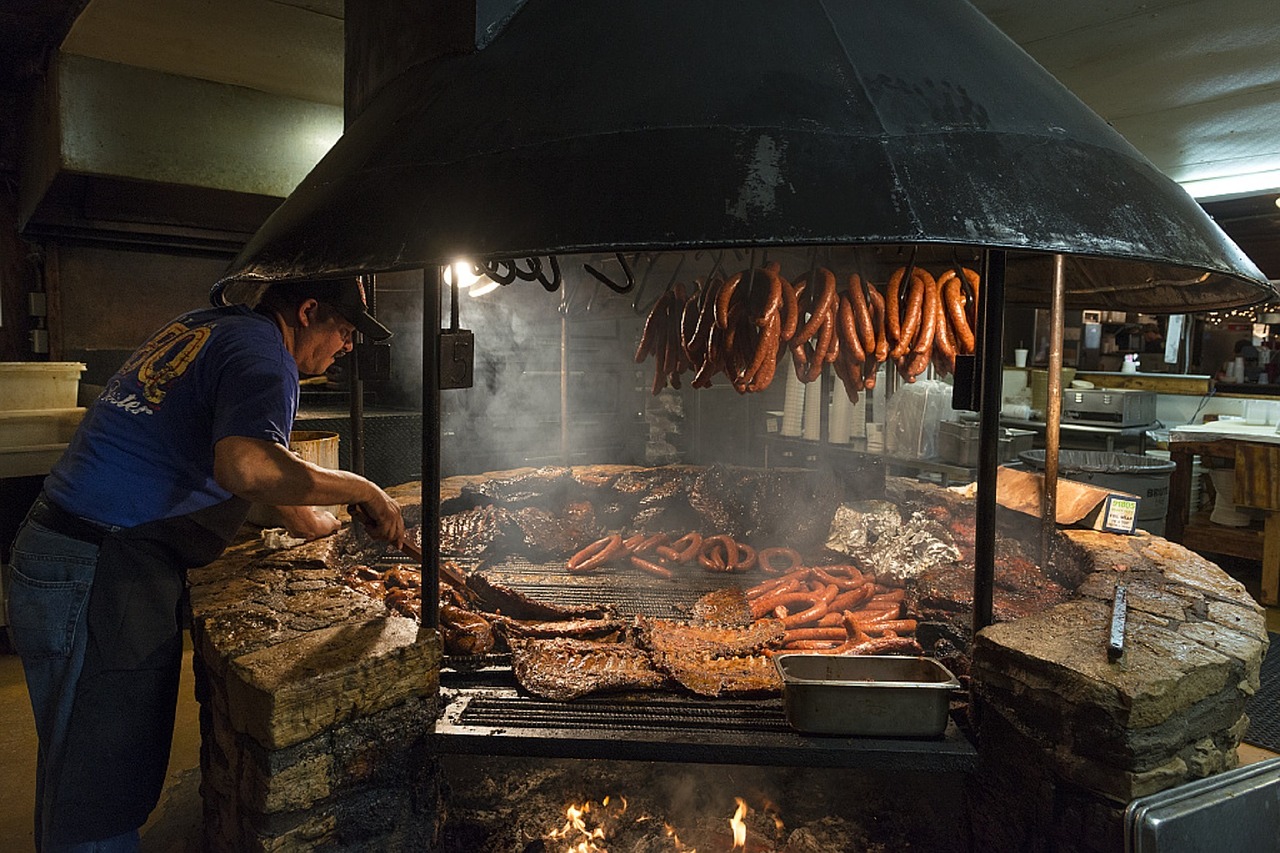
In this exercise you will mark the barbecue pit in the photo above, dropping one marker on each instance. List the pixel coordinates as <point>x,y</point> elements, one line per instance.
<point>856,156</point>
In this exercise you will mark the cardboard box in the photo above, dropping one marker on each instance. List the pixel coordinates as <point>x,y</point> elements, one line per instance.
<point>1079,504</point>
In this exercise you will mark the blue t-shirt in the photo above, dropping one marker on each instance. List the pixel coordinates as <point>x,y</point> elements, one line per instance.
<point>144,450</point>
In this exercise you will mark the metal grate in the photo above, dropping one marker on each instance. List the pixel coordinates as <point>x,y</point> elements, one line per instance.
<point>652,715</point>
<point>484,713</point>
<point>663,727</point>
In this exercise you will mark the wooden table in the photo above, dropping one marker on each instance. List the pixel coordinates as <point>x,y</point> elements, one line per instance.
<point>1255,452</point>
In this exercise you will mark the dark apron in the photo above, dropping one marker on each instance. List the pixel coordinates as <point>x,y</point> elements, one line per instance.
<point>117,750</point>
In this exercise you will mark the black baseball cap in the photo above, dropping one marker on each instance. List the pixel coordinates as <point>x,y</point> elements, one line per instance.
<point>346,296</point>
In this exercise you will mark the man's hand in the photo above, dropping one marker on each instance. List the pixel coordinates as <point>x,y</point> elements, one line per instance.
<point>381,516</point>
<point>307,522</point>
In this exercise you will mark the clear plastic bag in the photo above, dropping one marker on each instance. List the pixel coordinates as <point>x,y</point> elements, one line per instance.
<point>914,412</point>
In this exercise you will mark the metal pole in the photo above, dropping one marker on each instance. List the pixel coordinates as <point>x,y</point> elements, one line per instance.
<point>990,378</point>
<point>1053,412</point>
<point>357,393</point>
<point>433,287</point>
<point>564,378</point>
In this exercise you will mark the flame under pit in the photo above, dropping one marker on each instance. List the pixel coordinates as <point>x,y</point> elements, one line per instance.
<point>519,805</point>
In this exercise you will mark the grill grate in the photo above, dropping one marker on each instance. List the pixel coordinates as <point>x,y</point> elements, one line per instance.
<point>663,727</point>
<point>485,714</point>
<point>648,715</point>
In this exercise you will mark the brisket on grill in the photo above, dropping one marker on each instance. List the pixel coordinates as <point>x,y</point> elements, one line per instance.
<point>942,597</point>
<point>566,669</point>
<point>473,532</point>
<point>541,534</point>
<point>652,486</point>
<point>725,606</point>
<point>665,637</point>
<point>728,676</point>
<point>547,486</point>
<point>775,505</point>
<point>578,629</point>
<point>497,598</point>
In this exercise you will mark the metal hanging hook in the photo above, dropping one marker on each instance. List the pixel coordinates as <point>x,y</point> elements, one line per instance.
<point>610,283</point>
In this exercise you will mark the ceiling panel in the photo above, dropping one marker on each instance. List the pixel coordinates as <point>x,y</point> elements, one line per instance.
<point>1193,84</point>
<point>283,48</point>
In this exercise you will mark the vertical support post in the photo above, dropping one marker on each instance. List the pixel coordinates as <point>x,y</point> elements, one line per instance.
<point>990,391</point>
<point>564,376</point>
<point>356,389</point>
<point>433,287</point>
<point>1053,412</point>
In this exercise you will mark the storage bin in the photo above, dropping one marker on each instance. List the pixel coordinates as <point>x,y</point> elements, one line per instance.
<point>38,426</point>
<point>39,384</point>
<point>958,442</point>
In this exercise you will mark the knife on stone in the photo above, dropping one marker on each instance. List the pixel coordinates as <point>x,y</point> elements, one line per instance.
<point>1119,613</point>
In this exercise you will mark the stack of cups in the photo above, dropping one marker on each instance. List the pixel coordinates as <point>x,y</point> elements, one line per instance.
<point>812,411</point>
<point>793,406</point>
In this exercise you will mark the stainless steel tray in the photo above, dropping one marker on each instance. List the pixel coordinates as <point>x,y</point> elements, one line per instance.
<point>1236,810</point>
<point>866,695</point>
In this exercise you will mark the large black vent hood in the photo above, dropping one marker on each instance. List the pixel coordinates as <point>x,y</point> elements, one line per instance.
<point>661,125</point>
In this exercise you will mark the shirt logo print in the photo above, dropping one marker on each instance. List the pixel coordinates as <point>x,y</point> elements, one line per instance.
<point>164,358</point>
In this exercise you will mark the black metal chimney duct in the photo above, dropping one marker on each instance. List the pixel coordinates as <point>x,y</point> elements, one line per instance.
<point>673,124</point>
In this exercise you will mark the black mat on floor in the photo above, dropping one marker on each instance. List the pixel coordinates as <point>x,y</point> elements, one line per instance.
<point>1264,708</point>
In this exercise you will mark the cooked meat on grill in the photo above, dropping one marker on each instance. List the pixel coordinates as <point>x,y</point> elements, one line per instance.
<point>942,597</point>
<point>566,669</point>
<point>712,677</point>
<point>579,629</point>
<point>593,478</point>
<point>542,534</point>
<point>472,532</point>
<point>497,598</point>
<point>547,486</point>
<point>666,637</point>
<point>653,486</point>
<point>791,507</point>
<point>464,632</point>
<point>782,506</point>
<point>720,508</point>
<point>725,606</point>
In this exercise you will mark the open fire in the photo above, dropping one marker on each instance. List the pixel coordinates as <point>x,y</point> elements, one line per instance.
<point>591,827</point>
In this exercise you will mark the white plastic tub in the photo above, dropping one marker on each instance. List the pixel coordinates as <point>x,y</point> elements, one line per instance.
<point>38,426</point>
<point>39,384</point>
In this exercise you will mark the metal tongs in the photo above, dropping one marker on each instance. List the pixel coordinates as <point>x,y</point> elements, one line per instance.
<point>448,573</point>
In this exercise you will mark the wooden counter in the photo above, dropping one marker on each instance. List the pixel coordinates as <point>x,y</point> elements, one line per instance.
<point>1161,383</point>
<point>1255,453</point>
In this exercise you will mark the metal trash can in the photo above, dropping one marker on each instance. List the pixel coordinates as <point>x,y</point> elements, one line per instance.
<point>1144,476</point>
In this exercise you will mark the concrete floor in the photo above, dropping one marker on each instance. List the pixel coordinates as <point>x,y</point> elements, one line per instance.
<point>174,827</point>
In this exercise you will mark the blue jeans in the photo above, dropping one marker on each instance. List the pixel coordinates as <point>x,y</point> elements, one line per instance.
<point>48,596</point>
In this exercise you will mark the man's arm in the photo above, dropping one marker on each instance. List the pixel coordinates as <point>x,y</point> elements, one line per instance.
<point>265,472</point>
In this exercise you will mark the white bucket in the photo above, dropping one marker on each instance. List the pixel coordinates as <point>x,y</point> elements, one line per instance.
<point>318,447</point>
<point>1224,508</point>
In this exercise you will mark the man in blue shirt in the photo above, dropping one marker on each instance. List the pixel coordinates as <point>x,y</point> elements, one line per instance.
<point>190,431</point>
